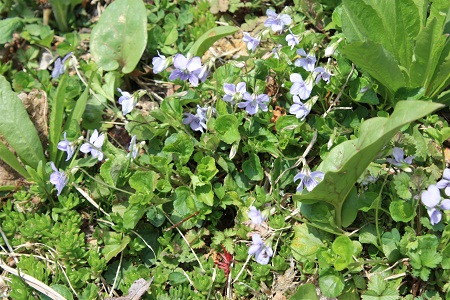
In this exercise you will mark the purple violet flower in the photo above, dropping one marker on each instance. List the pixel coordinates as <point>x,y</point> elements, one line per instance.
<point>198,121</point>
<point>322,73</point>
<point>59,68</point>
<point>292,40</point>
<point>444,183</point>
<point>234,93</point>
<point>306,62</point>
<point>186,69</point>
<point>399,158</point>
<point>133,149</point>
<point>299,109</point>
<point>202,73</point>
<point>299,87</point>
<point>308,179</point>
<point>94,146</point>
<point>251,42</point>
<point>58,178</point>
<point>66,146</point>
<point>160,63</point>
<point>431,198</point>
<point>127,101</point>
<point>253,102</point>
<point>260,250</point>
<point>255,215</point>
<point>277,22</point>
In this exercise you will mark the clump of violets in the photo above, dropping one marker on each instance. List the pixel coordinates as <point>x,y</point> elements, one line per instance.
<point>307,62</point>
<point>300,87</point>
<point>258,248</point>
<point>253,102</point>
<point>66,146</point>
<point>399,159</point>
<point>58,178</point>
<point>234,93</point>
<point>308,179</point>
<point>59,67</point>
<point>255,215</point>
<point>128,102</point>
<point>160,63</point>
<point>198,121</point>
<point>187,69</point>
<point>277,22</point>
<point>434,203</point>
<point>251,42</point>
<point>94,146</point>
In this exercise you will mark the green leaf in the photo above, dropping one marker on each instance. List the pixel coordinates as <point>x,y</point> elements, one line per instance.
<point>306,291</point>
<point>120,36</point>
<point>206,169</point>
<point>132,215</point>
<point>143,181</point>
<point>205,194</point>
<point>73,122</point>
<point>331,283</point>
<point>378,290</point>
<point>347,161</point>
<point>402,211</point>
<point>9,158</point>
<point>7,28</point>
<point>56,117</point>
<point>210,37</point>
<point>181,147</point>
<point>227,128</point>
<point>17,127</point>
<point>343,248</point>
<point>114,244</point>
<point>113,168</point>
<point>252,167</point>
<point>62,290</point>
<point>304,243</point>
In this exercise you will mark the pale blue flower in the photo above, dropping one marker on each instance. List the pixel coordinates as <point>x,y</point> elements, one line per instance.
<point>253,102</point>
<point>292,40</point>
<point>160,63</point>
<point>127,101</point>
<point>59,67</point>
<point>432,199</point>
<point>307,62</point>
<point>186,69</point>
<point>444,183</point>
<point>308,179</point>
<point>277,22</point>
<point>198,121</point>
<point>299,87</point>
<point>255,215</point>
<point>251,42</point>
<point>66,146</point>
<point>260,250</point>
<point>133,149</point>
<point>58,178</point>
<point>399,158</point>
<point>202,73</point>
<point>234,93</point>
<point>299,109</point>
<point>94,146</point>
<point>322,73</point>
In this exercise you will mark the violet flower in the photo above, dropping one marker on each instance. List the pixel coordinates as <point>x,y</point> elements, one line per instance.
<point>431,198</point>
<point>59,68</point>
<point>292,40</point>
<point>253,102</point>
<point>322,73</point>
<point>277,22</point>
<point>127,101</point>
<point>234,93</point>
<point>58,178</point>
<point>251,42</point>
<point>133,149</point>
<point>444,183</point>
<point>260,250</point>
<point>299,109</point>
<point>160,63</point>
<point>399,159</point>
<point>186,69</point>
<point>255,215</point>
<point>308,62</point>
<point>94,146</point>
<point>198,121</point>
<point>66,146</point>
<point>308,179</point>
<point>299,87</point>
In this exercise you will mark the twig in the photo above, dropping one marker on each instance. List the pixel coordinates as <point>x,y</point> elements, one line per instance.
<point>88,198</point>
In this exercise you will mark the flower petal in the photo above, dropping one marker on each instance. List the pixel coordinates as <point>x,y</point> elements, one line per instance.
<point>431,197</point>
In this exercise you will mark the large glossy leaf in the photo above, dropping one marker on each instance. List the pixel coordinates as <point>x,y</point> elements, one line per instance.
<point>347,161</point>
<point>120,36</point>
<point>209,37</point>
<point>17,127</point>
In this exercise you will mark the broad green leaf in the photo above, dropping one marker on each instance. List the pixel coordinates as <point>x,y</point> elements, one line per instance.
<point>143,181</point>
<point>378,290</point>
<point>113,168</point>
<point>7,28</point>
<point>114,244</point>
<point>205,194</point>
<point>305,244</point>
<point>56,118</point>
<point>181,147</point>
<point>441,78</point>
<point>331,283</point>
<point>401,211</point>
<point>73,122</point>
<point>227,128</point>
<point>207,169</point>
<point>9,158</point>
<point>347,161</point>
<point>208,38</point>
<point>378,62</point>
<point>252,167</point>
<point>17,127</point>
<point>120,36</point>
<point>306,291</point>
<point>343,248</point>
<point>132,215</point>
<point>62,290</point>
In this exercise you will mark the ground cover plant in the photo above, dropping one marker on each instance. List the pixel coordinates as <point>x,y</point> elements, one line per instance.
<point>225,149</point>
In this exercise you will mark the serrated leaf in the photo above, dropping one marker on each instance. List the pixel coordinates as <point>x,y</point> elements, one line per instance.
<point>143,181</point>
<point>227,128</point>
<point>120,36</point>
<point>7,28</point>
